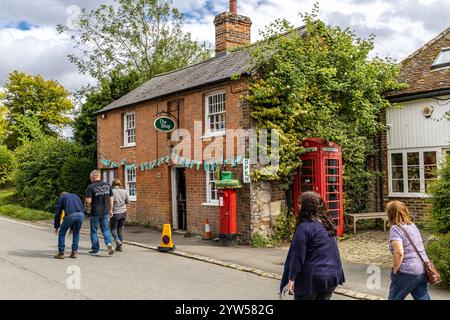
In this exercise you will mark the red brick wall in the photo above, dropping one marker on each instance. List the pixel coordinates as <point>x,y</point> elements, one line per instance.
<point>154,191</point>
<point>232,31</point>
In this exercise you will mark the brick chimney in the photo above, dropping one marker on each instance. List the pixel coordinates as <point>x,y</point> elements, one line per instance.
<point>232,30</point>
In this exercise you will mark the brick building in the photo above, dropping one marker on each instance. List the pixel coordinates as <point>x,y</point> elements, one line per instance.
<point>166,190</point>
<point>418,135</point>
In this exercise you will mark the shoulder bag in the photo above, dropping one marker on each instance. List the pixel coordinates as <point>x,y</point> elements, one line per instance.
<point>432,274</point>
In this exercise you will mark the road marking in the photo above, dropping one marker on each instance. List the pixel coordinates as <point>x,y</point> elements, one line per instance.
<point>22,223</point>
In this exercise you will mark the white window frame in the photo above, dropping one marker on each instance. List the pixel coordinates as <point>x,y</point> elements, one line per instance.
<point>128,182</point>
<point>126,130</point>
<point>208,132</point>
<point>441,65</point>
<point>404,152</point>
<point>209,200</point>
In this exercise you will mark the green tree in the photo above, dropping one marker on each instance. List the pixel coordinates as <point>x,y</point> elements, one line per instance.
<point>46,167</point>
<point>7,166</point>
<point>3,111</point>
<point>439,219</point>
<point>31,102</point>
<point>320,84</point>
<point>133,35</point>
<point>110,89</point>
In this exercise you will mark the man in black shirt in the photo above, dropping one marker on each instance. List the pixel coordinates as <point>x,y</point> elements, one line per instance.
<point>100,197</point>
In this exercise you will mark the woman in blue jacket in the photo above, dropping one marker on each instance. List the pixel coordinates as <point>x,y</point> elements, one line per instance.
<point>313,267</point>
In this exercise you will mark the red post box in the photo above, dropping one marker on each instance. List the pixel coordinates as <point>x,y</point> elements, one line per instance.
<point>322,172</point>
<point>228,220</point>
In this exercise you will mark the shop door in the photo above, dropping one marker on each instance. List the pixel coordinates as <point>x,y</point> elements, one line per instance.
<point>179,209</point>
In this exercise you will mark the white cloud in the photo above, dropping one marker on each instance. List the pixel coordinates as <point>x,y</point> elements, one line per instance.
<point>401,27</point>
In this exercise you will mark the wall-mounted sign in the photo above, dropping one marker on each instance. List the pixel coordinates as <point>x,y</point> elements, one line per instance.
<point>246,165</point>
<point>164,124</point>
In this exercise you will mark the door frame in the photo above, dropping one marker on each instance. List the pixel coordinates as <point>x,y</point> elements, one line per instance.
<point>173,174</point>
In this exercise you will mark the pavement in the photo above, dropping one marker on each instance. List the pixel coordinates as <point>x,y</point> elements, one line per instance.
<point>361,279</point>
<point>30,272</point>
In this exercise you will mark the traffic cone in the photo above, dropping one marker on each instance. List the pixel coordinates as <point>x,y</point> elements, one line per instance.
<point>166,239</point>
<point>207,235</point>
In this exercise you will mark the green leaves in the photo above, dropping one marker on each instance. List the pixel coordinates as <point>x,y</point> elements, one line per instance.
<point>321,84</point>
<point>34,107</point>
<point>439,218</point>
<point>145,36</point>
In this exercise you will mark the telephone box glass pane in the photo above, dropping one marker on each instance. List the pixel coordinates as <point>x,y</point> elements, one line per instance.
<point>332,163</point>
<point>334,205</point>
<point>307,163</point>
<point>307,171</point>
<point>306,188</point>
<point>332,188</point>
<point>334,215</point>
<point>332,197</point>
<point>333,180</point>
<point>333,171</point>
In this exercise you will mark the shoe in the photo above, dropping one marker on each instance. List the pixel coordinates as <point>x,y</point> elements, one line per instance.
<point>60,255</point>
<point>93,253</point>
<point>119,247</point>
<point>73,255</point>
<point>110,249</point>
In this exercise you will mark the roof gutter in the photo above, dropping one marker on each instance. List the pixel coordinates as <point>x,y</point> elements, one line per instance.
<point>415,96</point>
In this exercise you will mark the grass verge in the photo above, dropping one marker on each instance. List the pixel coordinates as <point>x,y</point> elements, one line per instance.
<point>8,209</point>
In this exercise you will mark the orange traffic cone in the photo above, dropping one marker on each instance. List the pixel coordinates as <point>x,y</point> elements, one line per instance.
<point>207,235</point>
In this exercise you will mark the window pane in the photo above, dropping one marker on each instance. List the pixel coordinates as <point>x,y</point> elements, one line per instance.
<point>443,58</point>
<point>397,172</point>
<point>413,159</point>
<point>332,163</point>
<point>333,196</point>
<point>332,188</point>
<point>397,159</point>
<point>333,205</point>
<point>413,173</point>
<point>413,185</point>
<point>429,158</point>
<point>332,171</point>
<point>397,186</point>
<point>307,171</point>
<point>332,179</point>
<point>308,163</point>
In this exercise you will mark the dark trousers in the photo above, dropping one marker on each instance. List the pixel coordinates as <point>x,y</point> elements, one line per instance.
<point>117,224</point>
<point>403,284</point>
<point>73,222</point>
<point>326,295</point>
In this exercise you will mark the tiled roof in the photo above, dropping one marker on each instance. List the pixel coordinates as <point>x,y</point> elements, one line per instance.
<point>417,71</point>
<point>214,70</point>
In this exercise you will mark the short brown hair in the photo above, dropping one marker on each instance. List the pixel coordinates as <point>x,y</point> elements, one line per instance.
<point>117,183</point>
<point>398,213</point>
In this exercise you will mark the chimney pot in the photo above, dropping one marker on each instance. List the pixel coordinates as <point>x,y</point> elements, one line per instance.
<point>233,6</point>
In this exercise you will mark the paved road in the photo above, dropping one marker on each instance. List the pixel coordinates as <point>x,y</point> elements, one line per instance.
<point>28,271</point>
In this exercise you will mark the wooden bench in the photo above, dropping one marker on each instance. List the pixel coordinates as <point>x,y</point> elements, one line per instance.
<point>368,216</point>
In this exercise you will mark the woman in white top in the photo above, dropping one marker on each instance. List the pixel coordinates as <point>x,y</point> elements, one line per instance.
<point>117,222</point>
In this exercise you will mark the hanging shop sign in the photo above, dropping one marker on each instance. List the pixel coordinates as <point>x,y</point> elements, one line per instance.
<point>164,124</point>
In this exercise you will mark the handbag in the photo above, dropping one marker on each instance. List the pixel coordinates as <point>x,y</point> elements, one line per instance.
<point>432,274</point>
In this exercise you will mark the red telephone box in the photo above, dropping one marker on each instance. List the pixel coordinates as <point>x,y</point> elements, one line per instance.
<point>322,172</point>
<point>228,222</point>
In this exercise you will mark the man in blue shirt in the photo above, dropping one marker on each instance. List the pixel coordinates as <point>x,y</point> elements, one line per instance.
<point>74,216</point>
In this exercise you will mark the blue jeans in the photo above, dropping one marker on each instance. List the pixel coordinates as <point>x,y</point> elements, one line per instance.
<point>104,227</point>
<point>403,284</point>
<point>74,222</point>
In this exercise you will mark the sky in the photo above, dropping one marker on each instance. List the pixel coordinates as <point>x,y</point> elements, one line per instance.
<point>30,43</point>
